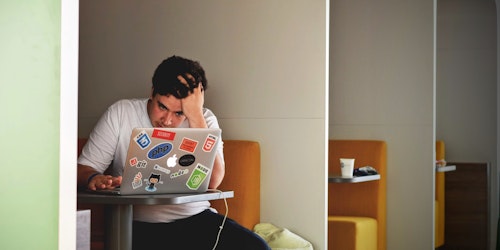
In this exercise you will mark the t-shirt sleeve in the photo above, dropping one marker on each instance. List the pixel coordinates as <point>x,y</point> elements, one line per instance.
<point>102,142</point>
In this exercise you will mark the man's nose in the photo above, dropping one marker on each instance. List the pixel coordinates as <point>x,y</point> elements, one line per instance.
<point>167,118</point>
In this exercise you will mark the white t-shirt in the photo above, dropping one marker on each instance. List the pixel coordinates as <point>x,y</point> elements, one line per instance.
<point>108,143</point>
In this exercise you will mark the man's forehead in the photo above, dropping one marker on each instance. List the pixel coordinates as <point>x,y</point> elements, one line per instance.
<point>169,102</point>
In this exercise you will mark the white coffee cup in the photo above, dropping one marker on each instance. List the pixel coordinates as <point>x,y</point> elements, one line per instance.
<point>347,167</point>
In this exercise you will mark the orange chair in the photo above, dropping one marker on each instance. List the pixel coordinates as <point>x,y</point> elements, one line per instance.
<point>357,211</point>
<point>242,160</point>
<point>439,205</point>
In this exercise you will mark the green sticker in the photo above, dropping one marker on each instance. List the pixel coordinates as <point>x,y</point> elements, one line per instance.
<point>197,177</point>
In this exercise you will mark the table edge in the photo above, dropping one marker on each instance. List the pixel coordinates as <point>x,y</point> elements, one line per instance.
<point>159,199</point>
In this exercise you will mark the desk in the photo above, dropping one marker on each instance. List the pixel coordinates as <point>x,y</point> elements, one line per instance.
<point>355,179</point>
<point>119,226</point>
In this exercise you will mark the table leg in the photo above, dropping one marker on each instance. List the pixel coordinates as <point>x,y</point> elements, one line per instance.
<point>119,227</point>
<point>126,217</point>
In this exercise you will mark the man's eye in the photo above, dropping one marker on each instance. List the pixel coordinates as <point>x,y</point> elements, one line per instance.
<point>179,113</point>
<point>161,106</point>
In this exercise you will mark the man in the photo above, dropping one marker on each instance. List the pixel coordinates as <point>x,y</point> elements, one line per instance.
<point>177,98</point>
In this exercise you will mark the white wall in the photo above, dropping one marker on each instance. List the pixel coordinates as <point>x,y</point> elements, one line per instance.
<point>266,64</point>
<point>466,106</point>
<point>68,123</point>
<point>382,87</point>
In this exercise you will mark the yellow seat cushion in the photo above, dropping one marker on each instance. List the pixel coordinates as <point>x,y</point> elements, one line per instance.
<point>351,233</point>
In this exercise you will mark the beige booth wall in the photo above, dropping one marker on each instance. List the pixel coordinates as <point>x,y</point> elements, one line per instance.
<point>382,87</point>
<point>266,67</point>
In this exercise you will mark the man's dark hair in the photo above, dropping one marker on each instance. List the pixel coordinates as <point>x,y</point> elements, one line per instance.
<point>165,80</point>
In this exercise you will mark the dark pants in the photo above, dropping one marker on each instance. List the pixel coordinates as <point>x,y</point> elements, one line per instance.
<point>198,232</point>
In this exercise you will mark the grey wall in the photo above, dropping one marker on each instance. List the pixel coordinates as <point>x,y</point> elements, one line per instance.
<point>466,110</point>
<point>266,62</point>
<point>382,87</point>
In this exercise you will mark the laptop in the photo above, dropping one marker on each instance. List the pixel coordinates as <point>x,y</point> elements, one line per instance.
<point>168,160</point>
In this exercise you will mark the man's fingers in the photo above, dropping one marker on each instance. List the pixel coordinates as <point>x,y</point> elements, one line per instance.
<point>184,80</point>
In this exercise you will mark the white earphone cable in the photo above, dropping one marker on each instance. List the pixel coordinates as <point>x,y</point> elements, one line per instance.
<point>223,221</point>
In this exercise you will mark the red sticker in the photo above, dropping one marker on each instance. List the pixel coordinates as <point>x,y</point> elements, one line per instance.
<point>163,134</point>
<point>133,162</point>
<point>188,145</point>
<point>209,143</point>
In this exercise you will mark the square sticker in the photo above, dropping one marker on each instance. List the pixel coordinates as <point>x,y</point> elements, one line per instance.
<point>188,145</point>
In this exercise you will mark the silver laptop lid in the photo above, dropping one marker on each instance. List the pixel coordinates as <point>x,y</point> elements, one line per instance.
<point>169,160</point>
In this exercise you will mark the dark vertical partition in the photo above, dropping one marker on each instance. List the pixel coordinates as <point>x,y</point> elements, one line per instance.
<point>467,207</point>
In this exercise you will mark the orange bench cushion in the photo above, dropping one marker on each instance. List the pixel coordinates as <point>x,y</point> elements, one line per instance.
<point>359,200</point>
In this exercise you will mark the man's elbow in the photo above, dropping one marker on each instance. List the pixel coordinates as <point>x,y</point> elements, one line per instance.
<point>216,180</point>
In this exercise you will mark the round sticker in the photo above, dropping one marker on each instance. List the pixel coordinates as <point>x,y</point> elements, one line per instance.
<point>160,150</point>
<point>186,160</point>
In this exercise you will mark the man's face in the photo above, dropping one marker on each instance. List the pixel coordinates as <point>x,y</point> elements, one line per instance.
<point>165,111</point>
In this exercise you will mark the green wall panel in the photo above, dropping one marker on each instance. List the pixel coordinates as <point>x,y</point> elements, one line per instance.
<point>29,123</point>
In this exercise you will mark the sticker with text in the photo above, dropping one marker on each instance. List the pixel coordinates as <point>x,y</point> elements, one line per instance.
<point>209,143</point>
<point>163,134</point>
<point>142,139</point>
<point>197,177</point>
<point>187,160</point>
<point>142,164</point>
<point>188,145</point>
<point>160,150</point>
<point>162,169</point>
<point>179,173</point>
